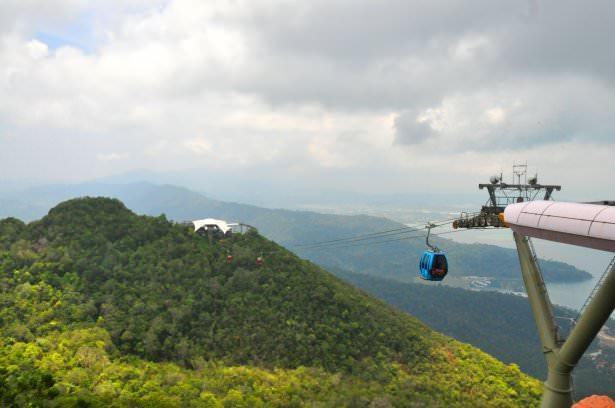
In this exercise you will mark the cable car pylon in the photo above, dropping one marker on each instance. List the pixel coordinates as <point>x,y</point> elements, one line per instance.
<point>501,194</point>
<point>587,225</point>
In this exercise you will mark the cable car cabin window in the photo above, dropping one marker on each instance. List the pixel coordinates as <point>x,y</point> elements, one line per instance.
<point>440,266</point>
<point>433,266</point>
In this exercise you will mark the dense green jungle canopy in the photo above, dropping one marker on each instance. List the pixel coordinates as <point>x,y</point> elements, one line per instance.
<point>99,307</point>
<point>500,324</point>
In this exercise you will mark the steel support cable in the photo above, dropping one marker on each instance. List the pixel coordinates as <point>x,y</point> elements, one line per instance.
<point>595,289</point>
<point>396,231</point>
<point>353,244</point>
<point>409,231</point>
<point>373,235</point>
<point>338,243</point>
<point>349,245</point>
<point>406,228</point>
<point>423,236</point>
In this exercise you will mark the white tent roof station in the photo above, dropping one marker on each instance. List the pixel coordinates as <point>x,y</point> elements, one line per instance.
<point>588,225</point>
<point>212,223</point>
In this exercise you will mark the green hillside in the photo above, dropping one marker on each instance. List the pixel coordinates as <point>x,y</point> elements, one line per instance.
<point>102,305</point>
<point>396,260</point>
<point>500,324</point>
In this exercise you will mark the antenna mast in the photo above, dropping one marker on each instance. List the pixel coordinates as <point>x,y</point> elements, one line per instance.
<point>501,194</point>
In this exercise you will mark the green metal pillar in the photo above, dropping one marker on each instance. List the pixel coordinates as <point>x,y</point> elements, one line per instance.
<point>562,360</point>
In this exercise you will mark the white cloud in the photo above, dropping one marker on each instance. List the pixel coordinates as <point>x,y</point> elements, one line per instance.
<point>413,128</point>
<point>495,115</point>
<point>37,49</point>
<point>199,146</point>
<point>383,90</point>
<point>471,47</point>
<point>111,157</point>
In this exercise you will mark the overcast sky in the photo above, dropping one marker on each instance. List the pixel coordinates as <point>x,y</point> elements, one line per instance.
<point>362,95</point>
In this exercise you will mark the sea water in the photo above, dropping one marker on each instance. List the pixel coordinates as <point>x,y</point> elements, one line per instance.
<point>572,295</point>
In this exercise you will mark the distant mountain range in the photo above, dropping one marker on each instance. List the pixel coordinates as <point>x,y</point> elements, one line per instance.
<point>263,190</point>
<point>397,260</point>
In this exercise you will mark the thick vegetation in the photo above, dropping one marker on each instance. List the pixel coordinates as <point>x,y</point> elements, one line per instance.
<point>497,323</point>
<point>101,306</point>
<point>81,368</point>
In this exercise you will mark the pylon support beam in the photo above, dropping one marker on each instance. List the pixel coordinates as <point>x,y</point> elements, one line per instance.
<point>561,357</point>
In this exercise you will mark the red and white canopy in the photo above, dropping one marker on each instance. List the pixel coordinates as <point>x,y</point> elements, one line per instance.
<point>587,225</point>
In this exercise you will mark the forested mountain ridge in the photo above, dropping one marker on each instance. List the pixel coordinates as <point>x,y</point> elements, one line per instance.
<point>100,305</point>
<point>291,228</point>
<point>500,324</point>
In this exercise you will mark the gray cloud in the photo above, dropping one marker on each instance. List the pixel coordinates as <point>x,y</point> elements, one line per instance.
<point>522,115</point>
<point>315,87</point>
<point>409,130</point>
<point>563,37</point>
<point>398,54</point>
<point>19,15</point>
<point>357,31</point>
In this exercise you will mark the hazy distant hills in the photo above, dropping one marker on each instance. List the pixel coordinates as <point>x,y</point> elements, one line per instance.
<point>241,186</point>
<point>396,260</point>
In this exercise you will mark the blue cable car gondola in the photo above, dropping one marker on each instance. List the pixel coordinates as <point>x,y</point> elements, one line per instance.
<point>433,264</point>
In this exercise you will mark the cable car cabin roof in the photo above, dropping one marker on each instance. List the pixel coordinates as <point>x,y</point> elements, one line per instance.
<point>210,222</point>
<point>588,225</point>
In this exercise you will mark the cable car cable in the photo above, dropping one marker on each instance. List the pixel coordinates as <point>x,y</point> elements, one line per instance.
<point>346,244</point>
<point>406,229</point>
<point>423,236</point>
<point>352,244</point>
<point>374,234</point>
